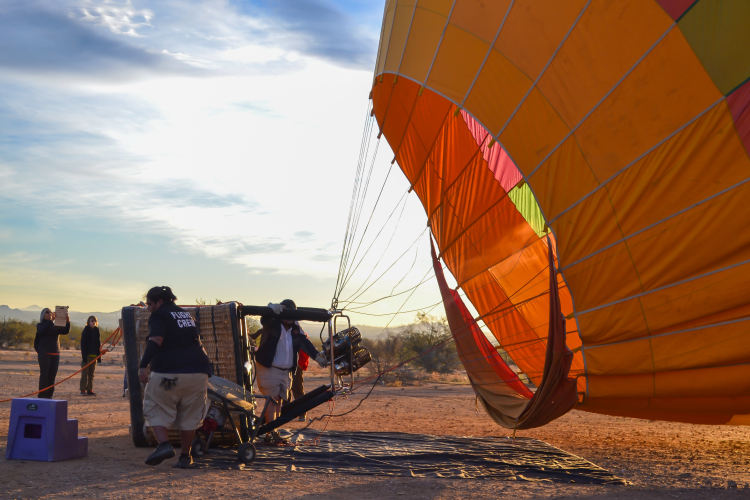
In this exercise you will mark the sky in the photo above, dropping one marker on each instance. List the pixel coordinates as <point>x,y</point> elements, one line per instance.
<point>209,146</point>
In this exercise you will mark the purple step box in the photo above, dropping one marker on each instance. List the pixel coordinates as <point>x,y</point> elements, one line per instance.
<point>40,430</point>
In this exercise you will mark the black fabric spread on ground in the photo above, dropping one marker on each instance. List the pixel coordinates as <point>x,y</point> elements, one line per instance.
<point>418,455</point>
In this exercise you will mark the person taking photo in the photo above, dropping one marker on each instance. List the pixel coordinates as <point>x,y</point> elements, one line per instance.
<point>47,347</point>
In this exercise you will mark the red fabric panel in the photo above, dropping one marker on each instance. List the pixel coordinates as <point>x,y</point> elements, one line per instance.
<point>498,161</point>
<point>739,105</point>
<point>676,8</point>
<point>477,355</point>
<point>558,393</point>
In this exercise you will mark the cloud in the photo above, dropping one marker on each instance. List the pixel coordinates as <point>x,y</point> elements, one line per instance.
<point>260,108</point>
<point>325,257</point>
<point>320,28</point>
<point>205,144</point>
<point>118,41</point>
<point>179,193</point>
<point>41,37</point>
<point>31,278</point>
<point>119,18</point>
<point>58,131</point>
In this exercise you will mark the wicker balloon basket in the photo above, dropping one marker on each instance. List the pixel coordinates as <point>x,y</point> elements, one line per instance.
<point>225,340</point>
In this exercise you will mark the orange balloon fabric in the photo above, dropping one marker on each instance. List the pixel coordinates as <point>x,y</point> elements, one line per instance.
<point>619,129</point>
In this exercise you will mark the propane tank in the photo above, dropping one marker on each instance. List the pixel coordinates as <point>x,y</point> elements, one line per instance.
<point>360,358</point>
<point>343,341</point>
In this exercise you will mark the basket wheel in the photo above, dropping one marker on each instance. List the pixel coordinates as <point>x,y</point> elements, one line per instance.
<point>198,448</point>
<point>246,453</point>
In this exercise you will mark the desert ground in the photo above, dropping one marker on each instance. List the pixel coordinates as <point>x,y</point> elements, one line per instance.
<point>659,459</point>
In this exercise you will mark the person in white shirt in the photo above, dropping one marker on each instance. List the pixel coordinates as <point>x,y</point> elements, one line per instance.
<point>277,359</point>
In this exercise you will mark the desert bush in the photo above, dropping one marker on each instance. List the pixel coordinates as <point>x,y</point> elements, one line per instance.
<point>430,339</point>
<point>385,354</point>
<point>73,339</point>
<point>14,333</point>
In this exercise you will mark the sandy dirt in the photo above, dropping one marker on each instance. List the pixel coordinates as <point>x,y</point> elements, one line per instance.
<point>659,459</point>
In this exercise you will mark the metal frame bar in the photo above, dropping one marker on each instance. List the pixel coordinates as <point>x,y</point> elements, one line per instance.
<point>336,316</point>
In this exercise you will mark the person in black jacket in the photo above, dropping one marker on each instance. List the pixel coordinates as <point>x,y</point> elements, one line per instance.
<point>91,343</point>
<point>277,358</point>
<point>47,347</point>
<point>175,392</point>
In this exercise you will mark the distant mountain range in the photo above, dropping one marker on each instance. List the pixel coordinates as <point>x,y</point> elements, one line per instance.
<point>106,320</point>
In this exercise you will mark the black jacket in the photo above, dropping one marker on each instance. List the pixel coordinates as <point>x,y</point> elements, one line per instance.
<point>269,339</point>
<point>47,339</point>
<point>91,342</point>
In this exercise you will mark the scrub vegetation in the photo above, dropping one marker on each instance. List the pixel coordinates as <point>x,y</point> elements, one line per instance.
<point>429,339</point>
<point>17,334</point>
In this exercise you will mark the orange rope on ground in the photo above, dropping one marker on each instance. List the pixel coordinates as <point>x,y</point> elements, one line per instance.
<point>316,440</point>
<point>113,344</point>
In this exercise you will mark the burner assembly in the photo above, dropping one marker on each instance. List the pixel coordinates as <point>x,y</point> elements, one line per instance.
<point>348,355</point>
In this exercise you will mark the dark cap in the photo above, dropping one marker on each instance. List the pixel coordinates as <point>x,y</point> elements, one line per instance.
<point>289,304</point>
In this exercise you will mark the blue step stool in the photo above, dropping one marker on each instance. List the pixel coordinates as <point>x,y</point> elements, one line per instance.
<point>40,430</point>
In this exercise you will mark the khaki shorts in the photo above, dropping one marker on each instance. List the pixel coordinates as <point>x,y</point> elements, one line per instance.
<point>183,406</point>
<point>273,382</point>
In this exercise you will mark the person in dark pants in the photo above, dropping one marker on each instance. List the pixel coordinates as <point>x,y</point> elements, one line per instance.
<point>298,380</point>
<point>90,349</point>
<point>47,347</point>
<point>176,388</point>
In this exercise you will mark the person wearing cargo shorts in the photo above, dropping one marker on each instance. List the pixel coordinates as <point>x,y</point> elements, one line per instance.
<point>176,387</point>
<point>281,342</point>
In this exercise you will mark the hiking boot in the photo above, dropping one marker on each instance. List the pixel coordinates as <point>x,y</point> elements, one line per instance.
<point>184,462</point>
<point>90,393</point>
<point>161,453</point>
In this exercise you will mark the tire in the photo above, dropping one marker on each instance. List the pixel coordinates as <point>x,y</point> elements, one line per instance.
<point>246,453</point>
<point>135,396</point>
<point>198,448</point>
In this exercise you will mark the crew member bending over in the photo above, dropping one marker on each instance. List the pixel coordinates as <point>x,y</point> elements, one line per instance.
<point>176,388</point>
<point>277,358</point>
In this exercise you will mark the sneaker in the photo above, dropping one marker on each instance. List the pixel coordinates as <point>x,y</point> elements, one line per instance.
<point>91,393</point>
<point>83,393</point>
<point>184,462</point>
<point>161,453</point>
<point>301,419</point>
